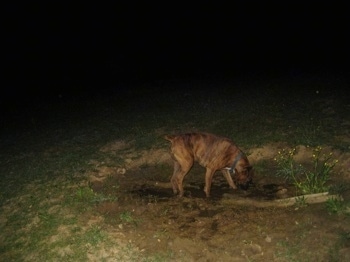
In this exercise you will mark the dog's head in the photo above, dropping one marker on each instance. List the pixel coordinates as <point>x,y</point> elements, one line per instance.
<point>244,178</point>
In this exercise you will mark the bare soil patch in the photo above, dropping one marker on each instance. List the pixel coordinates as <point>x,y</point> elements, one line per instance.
<point>226,227</point>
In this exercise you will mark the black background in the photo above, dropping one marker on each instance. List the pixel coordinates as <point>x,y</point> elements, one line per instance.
<point>56,48</point>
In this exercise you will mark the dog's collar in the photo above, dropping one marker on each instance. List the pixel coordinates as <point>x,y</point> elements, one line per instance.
<point>238,157</point>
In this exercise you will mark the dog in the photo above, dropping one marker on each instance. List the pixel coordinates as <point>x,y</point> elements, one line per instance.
<point>212,152</point>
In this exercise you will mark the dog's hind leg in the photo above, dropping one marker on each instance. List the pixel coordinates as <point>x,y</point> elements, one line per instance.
<point>180,172</point>
<point>173,180</point>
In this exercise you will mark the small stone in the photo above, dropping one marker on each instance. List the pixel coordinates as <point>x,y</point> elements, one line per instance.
<point>281,192</point>
<point>268,239</point>
<point>121,171</point>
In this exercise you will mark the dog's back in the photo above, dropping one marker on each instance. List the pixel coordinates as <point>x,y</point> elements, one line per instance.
<point>204,146</point>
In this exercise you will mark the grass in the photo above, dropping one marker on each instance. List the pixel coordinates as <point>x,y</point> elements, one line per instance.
<point>306,180</point>
<point>47,150</point>
<point>290,248</point>
<point>338,207</point>
<point>128,218</point>
<point>342,241</point>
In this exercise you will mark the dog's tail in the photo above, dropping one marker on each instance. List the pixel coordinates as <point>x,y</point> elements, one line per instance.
<point>169,137</point>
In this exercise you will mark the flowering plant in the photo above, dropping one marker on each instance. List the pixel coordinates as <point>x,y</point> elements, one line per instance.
<point>308,181</point>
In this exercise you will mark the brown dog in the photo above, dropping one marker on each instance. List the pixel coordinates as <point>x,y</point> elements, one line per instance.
<point>212,152</point>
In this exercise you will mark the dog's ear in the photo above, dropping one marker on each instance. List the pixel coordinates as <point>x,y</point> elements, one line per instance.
<point>169,137</point>
<point>250,170</point>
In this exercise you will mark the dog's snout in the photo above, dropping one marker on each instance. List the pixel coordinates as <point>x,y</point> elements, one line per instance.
<point>245,185</point>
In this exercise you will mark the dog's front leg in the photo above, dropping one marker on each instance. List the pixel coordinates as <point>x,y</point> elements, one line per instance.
<point>208,178</point>
<point>229,178</point>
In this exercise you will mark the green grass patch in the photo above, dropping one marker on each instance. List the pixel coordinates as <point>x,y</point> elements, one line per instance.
<point>338,206</point>
<point>128,218</point>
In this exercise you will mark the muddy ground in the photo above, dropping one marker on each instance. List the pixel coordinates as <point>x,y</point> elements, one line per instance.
<point>229,226</point>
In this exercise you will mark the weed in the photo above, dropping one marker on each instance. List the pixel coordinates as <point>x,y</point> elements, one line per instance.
<point>161,234</point>
<point>334,205</point>
<point>165,212</point>
<point>159,257</point>
<point>301,201</point>
<point>88,196</point>
<point>126,217</point>
<point>306,181</point>
<point>337,206</point>
<point>339,189</point>
<point>94,235</point>
<point>84,194</point>
<point>291,248</point>
<point>343,240</point>
<point>109,189</point>
<point>322,167</point>
<point>152,198</point>
<point>286,166</point>
<point>287,250</point>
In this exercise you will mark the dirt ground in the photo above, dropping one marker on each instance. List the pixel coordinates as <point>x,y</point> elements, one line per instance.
<point>229,226</point>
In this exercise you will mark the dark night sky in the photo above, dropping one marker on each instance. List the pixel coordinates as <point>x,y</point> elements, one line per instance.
<point>53,48</point>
